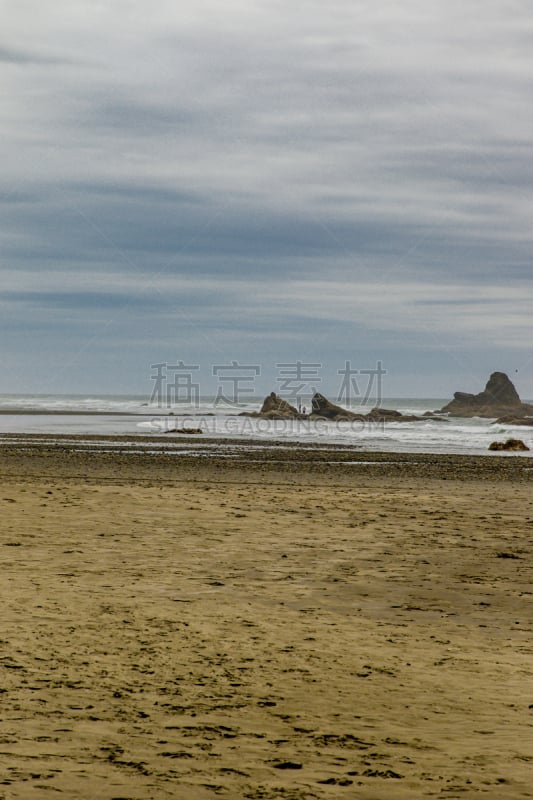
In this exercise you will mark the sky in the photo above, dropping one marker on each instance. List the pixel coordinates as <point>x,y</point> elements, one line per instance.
<point>260,182</point>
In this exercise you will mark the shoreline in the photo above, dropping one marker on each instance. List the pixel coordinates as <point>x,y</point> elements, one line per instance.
<point>187,457</point>
<point>455,437</point>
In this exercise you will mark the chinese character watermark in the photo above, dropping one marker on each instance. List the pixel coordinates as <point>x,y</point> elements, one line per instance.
<point>234,382</point>
<point>349,390</point>
<point>297,380</point>
<point>174,383</point>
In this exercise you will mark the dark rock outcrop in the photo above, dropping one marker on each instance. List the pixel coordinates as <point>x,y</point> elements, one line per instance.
<point>514,420</point>
<point>184,430</point>
<point>276,404</point>
<point>322,408</point>
<point>499,398</point>
<point>275,407</point>
<point>499,390</point>
<point>516,445</point>
<point>388,415</point>
<point>325,409</point>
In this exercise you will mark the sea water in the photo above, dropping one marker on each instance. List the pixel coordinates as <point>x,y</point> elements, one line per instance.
<point>134,415</point>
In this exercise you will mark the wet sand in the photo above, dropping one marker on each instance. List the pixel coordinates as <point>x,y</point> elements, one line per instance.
<point>282,622</point>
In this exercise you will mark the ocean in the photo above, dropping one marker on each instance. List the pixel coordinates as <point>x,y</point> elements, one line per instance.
<point>133,416</point>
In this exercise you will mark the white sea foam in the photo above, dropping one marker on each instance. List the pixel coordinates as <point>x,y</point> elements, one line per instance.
<point>428,436</point>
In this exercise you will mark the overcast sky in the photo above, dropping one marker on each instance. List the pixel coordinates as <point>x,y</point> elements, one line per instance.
<point>266,182</point>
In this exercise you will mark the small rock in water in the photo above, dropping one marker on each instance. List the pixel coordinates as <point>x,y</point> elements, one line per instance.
<point>510,444</point>
<point>184,430</point>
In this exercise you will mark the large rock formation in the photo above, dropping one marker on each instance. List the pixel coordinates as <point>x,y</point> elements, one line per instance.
<point>325,409</point>
<point>274,407</point>
<point>499,398</point>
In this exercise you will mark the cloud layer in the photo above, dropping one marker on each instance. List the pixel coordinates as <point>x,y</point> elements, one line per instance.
<point>246,180</point>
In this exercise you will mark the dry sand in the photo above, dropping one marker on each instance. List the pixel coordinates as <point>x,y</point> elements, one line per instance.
<point>212,629</point>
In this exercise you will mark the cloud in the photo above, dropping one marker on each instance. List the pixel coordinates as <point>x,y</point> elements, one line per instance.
<point>355,165</point>
<point>21,57</point>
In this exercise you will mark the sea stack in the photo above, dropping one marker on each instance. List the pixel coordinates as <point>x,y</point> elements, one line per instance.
<point>275,407</point>
<point>498,399</point>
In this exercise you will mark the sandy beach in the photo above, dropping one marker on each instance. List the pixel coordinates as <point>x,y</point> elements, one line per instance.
<point>268,623</point>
